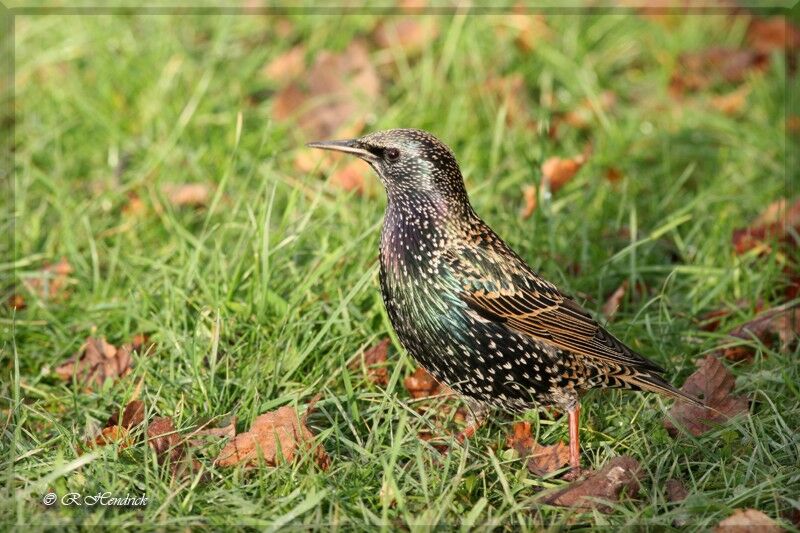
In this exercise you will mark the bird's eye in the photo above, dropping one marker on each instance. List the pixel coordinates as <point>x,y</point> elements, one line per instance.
<point>392,154</point>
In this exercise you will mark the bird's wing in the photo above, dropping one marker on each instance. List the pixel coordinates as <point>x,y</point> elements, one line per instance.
<point>500,287</point>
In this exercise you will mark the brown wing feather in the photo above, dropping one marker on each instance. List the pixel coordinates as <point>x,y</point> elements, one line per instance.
<point>498,285</point>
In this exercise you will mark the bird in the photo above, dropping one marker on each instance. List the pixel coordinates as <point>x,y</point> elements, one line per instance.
<point>470,310</point>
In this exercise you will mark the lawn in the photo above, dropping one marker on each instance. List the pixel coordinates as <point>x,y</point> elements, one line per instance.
<point>262,289</point>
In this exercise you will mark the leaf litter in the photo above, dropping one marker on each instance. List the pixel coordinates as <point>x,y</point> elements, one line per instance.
<point>99,361</point>
<point>620,476</point>
<point>713,384</point>
<point>273,437</point>
<point>374,362</point>
<point>539,459</point>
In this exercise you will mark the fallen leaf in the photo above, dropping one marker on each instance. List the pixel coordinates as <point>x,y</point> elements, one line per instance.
<point>697,71</point>
<point>411,35</point>
<point>421,384</point>
<point>111,435</point>
<point>119,431</point>
<point>557,172</point>
<point>52,281</point>
<point>132,415</point>
<point>96,362</point>
<point>676,491</point>
<point>621,473</point>
<point>529,193</point>
<point>272,435</point>
<point>187,194</point>
<point>778,222</point>
<point>528,29</point>
<point>776,33</point>
<point>731,103</point>
<point>340,89</point>
<point>17,302</point>
<point>351,177</point>
<point>711,320</point>
<point>793,124</point>
<point>613,174</point>
<point>134,206</point>
<point>748,521</point>
<point>540,459</point>
<point>713,384</point>
<point>781,323</point>
<point>164,439</point>
<point>287,66</point>
<point>611,305</point>
<point>374,361</point>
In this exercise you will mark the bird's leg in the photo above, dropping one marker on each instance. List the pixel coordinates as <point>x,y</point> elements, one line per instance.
<point>574,439</point>
<point>475,419</point>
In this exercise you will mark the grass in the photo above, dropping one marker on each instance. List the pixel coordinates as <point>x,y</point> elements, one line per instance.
<point>263,297</point>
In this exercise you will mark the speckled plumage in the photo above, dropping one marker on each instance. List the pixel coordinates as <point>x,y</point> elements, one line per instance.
<point>467,307</point>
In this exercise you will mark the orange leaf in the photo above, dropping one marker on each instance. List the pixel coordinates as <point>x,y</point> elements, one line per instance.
<point>748,521</point>
<point>558,172</point>
<point>187,194</point>
<point>286,66</point>
<point>410,35</point>
<point>273,435</point>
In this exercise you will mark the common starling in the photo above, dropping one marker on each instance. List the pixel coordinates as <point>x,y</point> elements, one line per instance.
<point>469,309</point>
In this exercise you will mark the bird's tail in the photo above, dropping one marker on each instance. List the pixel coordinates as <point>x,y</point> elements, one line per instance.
<point>655,383</point>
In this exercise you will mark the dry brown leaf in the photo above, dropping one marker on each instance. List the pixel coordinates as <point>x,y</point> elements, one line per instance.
<point>132,415</point>
<point>777,222</point>
<point>272,435</point>
<point>776,33</point>
<point>676,491</point>
<point>421,384</point>
<point>96,362</point>
<point>731,103</point>
<point>528,29</point>
<point>286,66</point>
<point>793,124</point>
<point>621,473</point>
<point>613,302</point>
<point>713,384</point>
<point>700,70</point>
<point>110,435</point>
<point>351,177</point>
<point>557,172</point>
<point>540,459</point>
<point>781,323</point>
<point>17,302</point>
<point>52,282</point>
<point>412,35</point>
<point>530,195</point>
<point>613,174</point>
<point>119,431</point>
<point>170,449</point>
<point>748,521</point>
<point>187,194</point>
<point>338,91</point>
<point>374,360</point>
<point>134,206</point>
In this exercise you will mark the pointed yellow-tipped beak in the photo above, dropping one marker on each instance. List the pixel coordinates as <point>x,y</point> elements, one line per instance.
<point>349,146</point>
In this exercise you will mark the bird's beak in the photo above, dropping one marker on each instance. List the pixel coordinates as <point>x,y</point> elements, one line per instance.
<point>350,146</point>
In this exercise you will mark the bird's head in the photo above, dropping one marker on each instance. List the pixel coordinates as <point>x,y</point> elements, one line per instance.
<point>410,164</point>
